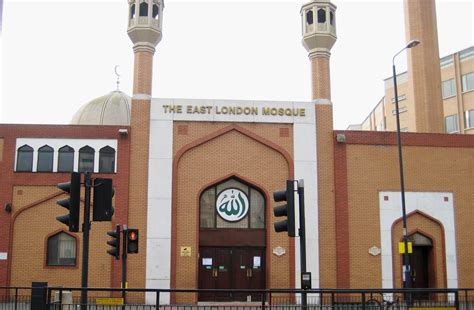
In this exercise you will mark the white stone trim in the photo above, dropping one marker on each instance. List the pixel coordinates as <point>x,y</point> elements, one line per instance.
<point>141,97</point>
<point>159,212</point>
<point>305,165</point>
<point>159,216</point>
<point>56,144</point>
<point>430,203</point>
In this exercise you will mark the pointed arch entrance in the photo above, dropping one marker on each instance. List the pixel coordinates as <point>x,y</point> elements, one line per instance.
<point>232,240</point>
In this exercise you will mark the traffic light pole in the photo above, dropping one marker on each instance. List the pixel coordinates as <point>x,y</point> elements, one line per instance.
<point>302,234</point>
<point>85,241</point>
<point>124,263</point>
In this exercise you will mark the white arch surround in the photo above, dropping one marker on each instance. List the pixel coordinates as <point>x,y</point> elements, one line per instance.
<point>162,115</point>
<point>439,206</point>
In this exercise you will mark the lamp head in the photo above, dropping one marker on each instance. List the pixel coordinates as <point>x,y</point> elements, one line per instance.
<point>412,43</point>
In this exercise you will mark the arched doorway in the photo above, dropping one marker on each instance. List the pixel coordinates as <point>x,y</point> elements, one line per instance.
<point>232,240</point>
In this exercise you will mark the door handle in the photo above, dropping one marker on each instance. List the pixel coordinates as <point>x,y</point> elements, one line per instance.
<point>249,272</point>
<point>214,272</point>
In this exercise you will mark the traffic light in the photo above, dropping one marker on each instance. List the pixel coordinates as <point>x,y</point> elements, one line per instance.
<point>132,240</point>
<point>103,193</point>
<point>287,210</point>
<point>115,242</point>
<point>73,203</point>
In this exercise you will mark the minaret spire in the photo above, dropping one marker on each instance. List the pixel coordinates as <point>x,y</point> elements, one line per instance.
<point>319,35</point>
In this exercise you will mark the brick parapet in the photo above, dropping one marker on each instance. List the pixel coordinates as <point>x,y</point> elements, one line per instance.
<point>407,138</point>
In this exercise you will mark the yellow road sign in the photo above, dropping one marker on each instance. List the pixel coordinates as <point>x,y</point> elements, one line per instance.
<point>401,247</point>
<point>109,301</point>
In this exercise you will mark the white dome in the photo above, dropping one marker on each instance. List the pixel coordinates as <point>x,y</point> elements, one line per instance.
<point>111,109</point>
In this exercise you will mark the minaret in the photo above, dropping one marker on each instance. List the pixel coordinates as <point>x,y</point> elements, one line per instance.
<point>423,65</point>
<point>144,29</point>
<point>319,35</point>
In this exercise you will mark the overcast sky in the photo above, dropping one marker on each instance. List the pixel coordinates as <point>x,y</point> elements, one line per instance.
<point>58,55</point>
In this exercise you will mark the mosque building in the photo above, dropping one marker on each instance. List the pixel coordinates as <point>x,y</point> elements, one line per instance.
<point>174,162</point>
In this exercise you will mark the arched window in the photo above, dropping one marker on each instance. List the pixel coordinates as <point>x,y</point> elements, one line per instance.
<point>61,250</point>
<point>24,160</point>
<point>45,159</point>
<point>66,159</point>
<point>86,159</point>
<point>143,9</point>
<point>107,160</point>
<point>132,11</point>
<point>331,17</point>
<point>321,16</point>
<point>155,11</point>
<point>309,17</point>
<point>232,204</point>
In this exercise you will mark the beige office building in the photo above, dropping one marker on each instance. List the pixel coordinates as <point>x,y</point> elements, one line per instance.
<point>457,91</point>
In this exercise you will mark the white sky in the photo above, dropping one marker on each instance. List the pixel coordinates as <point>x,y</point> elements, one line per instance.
<point>58,55</point>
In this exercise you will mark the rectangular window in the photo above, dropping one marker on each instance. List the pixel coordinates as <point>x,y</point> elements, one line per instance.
<point>401,110</point>
<point>468,82</point>
<point>469,119</point>
<point>449,88</point>
<point>451,123</point>
<point>400,98</point>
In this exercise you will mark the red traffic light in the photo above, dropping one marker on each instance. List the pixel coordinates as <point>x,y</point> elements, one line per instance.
<point>132,240</point>
<point>132,235</point>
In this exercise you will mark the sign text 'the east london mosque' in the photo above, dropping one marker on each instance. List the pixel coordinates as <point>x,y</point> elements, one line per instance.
<point>233,110</point>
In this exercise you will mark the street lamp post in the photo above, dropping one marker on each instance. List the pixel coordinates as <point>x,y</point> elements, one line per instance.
<point>406,258</point>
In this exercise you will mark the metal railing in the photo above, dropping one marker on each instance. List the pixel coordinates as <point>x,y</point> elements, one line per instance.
<point>59,298</point>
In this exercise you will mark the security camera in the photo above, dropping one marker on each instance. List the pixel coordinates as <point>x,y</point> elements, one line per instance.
<point>123,132</point>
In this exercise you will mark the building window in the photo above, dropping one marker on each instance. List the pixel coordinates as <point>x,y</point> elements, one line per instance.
<point>132,11</point>
<point>24,160</point>
<point>107,160</point>
<point>66,159</point>
<point>143,9</point>
<point>321,16</point>
<point>449,88</point>
<point>469,119</point>
<point>451,123</point>
<point>331,17</point>
<point>155,11</point>
<point>468,82</point>
<point>254,218</point>
<point>86,159</point>
<point>45,159</point>
<point>400,110</point>
<point>61,250</point>
<point>309,17</point>
<point>400,98</point>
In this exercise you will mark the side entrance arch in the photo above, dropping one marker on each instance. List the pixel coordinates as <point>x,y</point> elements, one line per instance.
<point>232,240</point>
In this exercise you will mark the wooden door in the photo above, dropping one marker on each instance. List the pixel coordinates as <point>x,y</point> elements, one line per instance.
<point>419,264</point>
<point>231,268</point>
<point>249,271</point>
<point>214,273</point>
